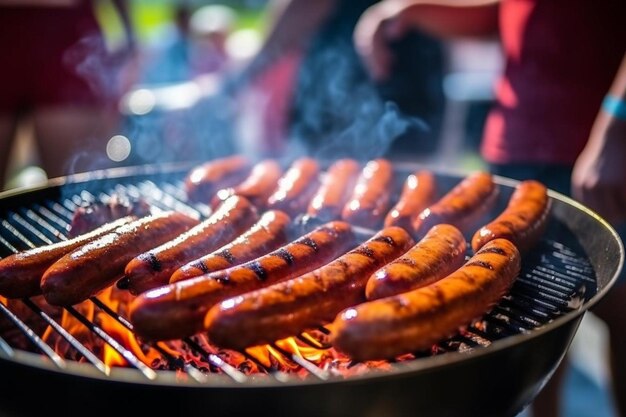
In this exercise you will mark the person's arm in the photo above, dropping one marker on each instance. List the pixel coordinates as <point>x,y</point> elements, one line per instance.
<point>292,24</point>
<point>599,177</point>
<point>123,10</point>
<point>390,20</point>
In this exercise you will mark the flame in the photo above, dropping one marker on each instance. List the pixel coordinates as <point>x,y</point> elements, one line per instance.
<point>118,301</point>
<point>168,350</point>
<point>310,353</point>
<point>75,328</point>
<point>285,355</point>
<point>261,354</point>
<point>280,355</point>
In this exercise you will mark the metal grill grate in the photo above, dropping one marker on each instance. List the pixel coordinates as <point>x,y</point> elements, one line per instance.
<point>554,280</point>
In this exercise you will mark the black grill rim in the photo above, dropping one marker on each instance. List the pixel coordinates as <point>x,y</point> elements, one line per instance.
<point>169,378</point>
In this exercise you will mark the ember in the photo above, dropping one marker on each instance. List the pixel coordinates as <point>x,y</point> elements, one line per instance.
<point>294,355</point>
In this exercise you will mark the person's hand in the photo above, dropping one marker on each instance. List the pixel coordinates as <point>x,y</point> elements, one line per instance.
<point>599,176</point>
<point>377,28</point>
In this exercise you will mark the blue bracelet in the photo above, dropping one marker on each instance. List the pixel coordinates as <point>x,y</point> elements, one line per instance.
<point>614,106</point>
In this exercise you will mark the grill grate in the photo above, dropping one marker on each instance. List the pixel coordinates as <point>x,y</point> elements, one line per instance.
<point>555,279</point>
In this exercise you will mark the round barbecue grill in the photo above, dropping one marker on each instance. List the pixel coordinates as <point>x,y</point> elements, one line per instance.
<point>495,367</point>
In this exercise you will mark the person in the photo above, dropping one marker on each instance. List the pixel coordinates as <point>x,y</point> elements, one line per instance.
<point>58,72</point>
<point>321,99</point>
<point>559,116</point>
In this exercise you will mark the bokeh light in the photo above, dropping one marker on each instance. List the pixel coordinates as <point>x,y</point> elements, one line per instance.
<point>118,148</point>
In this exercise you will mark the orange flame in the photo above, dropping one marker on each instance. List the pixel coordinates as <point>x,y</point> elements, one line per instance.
<point>310,353</point>
<point>285,355</point>
<point>118,302</point>
<point>74,327</point>
<point>277,356</point>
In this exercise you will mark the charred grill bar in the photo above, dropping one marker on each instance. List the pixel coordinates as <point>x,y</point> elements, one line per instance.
<point>557,280</point>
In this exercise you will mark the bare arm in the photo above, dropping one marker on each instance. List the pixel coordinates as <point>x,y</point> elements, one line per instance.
<point>292,25</point>
<point>123,10</point>
<point>599,177</point>
<point>391,19</point>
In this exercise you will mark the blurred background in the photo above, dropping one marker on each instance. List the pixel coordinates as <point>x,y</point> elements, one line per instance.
<point>176,42</point>
<point>184,102</point>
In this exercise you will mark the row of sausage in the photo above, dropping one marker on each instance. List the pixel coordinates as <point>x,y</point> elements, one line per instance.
<point>240,276</point>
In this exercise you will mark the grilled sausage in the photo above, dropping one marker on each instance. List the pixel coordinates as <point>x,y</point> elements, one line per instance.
<point>203,181</point>
<point>295,187</point>
<point>178,310</point>
<point>463,206</point>
<point>370,200</point>
<point>92,215</point>
<point>257,187</point>
<point>154,268</point>
<point>419,191</point>
<point>418,319</point>
<point>265,235</point>
<point>20,273</point>
<point>96,265</point>
<point>289,307</point>
<point>522,222</point>
<point>437,255</point>
<point>336,187</point>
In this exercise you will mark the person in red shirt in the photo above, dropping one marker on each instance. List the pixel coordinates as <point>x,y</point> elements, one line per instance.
<point>560,111</point>
<point>58,72</point>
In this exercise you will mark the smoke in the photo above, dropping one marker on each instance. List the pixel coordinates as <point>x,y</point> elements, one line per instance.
<point>339,112</point>
<point>92,117</point>
<point>333,110</point>
<point>101,69</point>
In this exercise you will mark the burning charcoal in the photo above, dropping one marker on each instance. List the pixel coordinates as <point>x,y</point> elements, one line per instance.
<point>246,367</point>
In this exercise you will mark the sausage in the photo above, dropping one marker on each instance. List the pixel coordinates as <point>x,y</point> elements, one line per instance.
<point>416,320</point>
<point>265,235</point>
<point>419,191</point>
<point>154,268</point>
<point>295,188</point>
<point>289,307</point>
<point>256,187</point>
<point>178,310</point>
<point>336,187</point>
<point>463,206</point>
<point>92,215</point>
<point>96,265</point>
<point>523,221</point>
<point>203,181</point>
<point>438,254</point>
<point>20,273</point>
<point>371,196</point>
